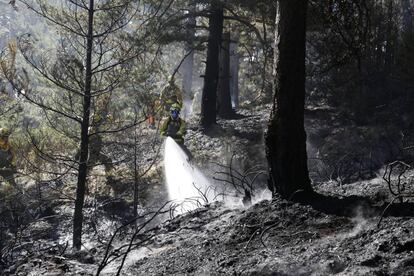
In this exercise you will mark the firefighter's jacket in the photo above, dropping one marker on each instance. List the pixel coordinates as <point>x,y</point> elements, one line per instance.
<point>173,128</point>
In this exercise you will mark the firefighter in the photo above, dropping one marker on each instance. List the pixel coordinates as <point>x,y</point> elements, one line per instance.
<point>171,94</point>
<point>174,127</point>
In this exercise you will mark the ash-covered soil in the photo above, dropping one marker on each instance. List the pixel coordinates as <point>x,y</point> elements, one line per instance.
<point>270,238</point>
<point>338,233</point>
<point>282,238</point>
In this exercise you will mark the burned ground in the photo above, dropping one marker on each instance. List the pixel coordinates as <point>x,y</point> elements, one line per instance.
<point>336,232</point>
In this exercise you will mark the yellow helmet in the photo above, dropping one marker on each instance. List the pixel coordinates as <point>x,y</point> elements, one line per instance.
<point>4,132</point>
<point>175,106</point>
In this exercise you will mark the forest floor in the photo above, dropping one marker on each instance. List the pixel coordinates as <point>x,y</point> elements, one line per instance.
<point>281,238</point>
<point>270,238</point>
<point>338,233</point>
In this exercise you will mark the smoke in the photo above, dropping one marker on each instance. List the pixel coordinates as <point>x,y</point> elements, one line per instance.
<point>131,259</point>
<point>361,223</point>
<point>187,110</point>
<point>236,202</point>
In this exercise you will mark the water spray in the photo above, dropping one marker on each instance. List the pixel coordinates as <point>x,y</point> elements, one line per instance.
<point>187,187</point>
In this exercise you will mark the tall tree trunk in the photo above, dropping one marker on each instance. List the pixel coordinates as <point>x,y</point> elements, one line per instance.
<point>224,99</point>
<point>234,73</point>
<point>275,44</point>
<point>286,137</point>
<point>135,172</point>
<point>209,97</point>
<point>407,15</point>
<point>389,49</point>
<point>389,57</point>
<point>188,64</point>
<point>84,145</point>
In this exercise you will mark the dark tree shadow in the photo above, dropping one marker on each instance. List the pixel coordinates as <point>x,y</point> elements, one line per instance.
<point>351,206</point>
<point>251,136</point>
<point>234,116</point>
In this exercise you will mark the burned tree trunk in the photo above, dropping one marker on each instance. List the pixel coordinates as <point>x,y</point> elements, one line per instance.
<point>407,15</point>
<point>188,63</point>
<point>223,90</point>
<point>234,74</point>
<point>286,137</point>
<point>209,97</point>
<point>84,145</point>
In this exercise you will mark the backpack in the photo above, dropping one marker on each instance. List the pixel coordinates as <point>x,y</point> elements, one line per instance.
<point>5,158</point>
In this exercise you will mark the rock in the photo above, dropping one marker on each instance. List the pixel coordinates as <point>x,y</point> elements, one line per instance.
<point>405,247</point>
<point>405,267</point>
<point>387,246</point>
<point>335,266</point>
<point>82,256</point>
<point>373,261</point>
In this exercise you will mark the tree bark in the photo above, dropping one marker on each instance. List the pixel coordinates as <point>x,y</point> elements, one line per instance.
<point>209,97</point>
<point>286,137</point>
<point>407,15</point>
<point>224,98</point>
<point>234,74</point>
<point>188,63</point>
<point>135,173</point>
<point>389,49</point>
<point>84,144</point>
